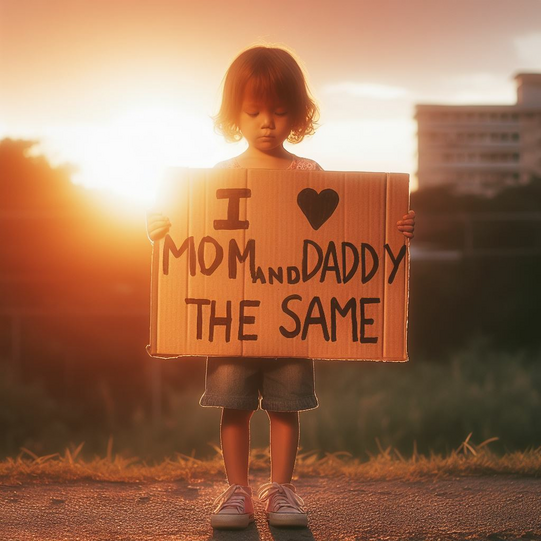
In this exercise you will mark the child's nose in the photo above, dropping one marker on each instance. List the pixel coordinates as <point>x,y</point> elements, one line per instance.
<point>267,121</point>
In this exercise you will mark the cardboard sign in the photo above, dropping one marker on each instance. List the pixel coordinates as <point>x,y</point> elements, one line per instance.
<point>281,263</point>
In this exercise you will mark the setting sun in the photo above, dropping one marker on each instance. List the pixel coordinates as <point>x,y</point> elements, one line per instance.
<point>128,155</point>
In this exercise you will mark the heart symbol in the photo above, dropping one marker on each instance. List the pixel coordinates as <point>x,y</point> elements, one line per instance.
<point>317,207</point>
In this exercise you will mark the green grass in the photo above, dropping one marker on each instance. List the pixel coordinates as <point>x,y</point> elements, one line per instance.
<point>389,463</point>
<point>429,405</point>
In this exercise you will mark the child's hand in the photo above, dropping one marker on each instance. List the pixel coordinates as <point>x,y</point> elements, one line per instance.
<point>407,224</point>
<point>157,225</point>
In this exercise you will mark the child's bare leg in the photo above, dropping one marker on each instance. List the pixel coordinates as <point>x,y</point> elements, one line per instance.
<point>284,441</point>
<point>235,439</point>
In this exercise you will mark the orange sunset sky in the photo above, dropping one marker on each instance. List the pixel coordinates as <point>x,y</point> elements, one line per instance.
<point>123,88</point>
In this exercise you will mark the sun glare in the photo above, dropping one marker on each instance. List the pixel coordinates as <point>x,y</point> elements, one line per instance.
<point>129,156</point>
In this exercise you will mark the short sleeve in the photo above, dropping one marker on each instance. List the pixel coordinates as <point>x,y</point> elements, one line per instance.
<point>307,165</point>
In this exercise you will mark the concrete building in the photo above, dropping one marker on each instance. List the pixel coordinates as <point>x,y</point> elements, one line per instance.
<point>482,148</point>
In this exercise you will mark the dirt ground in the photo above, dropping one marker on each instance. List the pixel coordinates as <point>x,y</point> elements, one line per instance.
<point>473,508</point>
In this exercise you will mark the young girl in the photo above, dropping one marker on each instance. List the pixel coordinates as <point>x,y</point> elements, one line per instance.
<point>266,101</point>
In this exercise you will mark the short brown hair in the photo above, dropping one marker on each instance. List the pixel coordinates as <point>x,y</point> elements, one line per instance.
<point>276,75</point>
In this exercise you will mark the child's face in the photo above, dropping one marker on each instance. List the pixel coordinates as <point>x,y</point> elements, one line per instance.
<point>265,124</point>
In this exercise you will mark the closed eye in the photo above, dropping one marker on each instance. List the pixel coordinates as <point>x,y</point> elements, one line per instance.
<point>252,114</point>
<point>281,113</point>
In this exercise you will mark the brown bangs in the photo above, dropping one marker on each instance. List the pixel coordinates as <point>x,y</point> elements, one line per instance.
<point>274,75</point>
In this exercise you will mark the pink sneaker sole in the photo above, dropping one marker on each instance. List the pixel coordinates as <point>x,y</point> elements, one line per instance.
<point>230,521</point>
<point>287,519</point>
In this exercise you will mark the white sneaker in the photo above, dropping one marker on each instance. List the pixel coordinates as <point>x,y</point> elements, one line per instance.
<point>284,507</point>
<point>235,508</point>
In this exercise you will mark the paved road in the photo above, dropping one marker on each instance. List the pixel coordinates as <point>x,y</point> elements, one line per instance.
<point>473,508</point>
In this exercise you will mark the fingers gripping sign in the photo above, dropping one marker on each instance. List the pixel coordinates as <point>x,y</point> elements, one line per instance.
<point>158,225</point>
<point>407,224</point>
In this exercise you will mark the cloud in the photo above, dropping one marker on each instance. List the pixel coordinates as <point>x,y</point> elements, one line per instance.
<point>528,50</point>
<point>366,90</point>
<point>475,88</point>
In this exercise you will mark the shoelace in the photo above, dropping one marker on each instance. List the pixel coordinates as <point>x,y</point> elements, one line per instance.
<point>233,497</point>
<point>282,497</point>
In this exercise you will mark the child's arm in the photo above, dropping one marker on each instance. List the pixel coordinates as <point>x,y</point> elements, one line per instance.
<point>407,224</point>
<point>157,225</point>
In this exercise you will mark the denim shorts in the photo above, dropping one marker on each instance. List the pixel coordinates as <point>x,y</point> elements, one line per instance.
<point>270,384</point>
